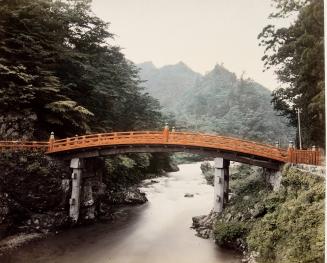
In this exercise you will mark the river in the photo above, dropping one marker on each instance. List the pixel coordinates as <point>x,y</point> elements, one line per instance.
<point>156,232</point>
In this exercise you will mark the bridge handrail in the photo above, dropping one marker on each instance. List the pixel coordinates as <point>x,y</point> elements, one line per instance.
<point>188,138</point>
<point>225,137</point>
<point>203,135</point>
<point>24,144</point>
<point>204,140</point>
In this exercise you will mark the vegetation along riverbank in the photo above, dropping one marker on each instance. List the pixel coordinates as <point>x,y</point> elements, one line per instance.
<point>285,224</point>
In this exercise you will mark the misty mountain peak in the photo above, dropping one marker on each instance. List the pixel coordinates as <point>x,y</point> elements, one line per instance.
<point>147,65</point>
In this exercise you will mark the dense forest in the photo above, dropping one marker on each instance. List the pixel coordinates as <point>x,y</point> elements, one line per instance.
<point>217,102</point>
<point>61,72</point>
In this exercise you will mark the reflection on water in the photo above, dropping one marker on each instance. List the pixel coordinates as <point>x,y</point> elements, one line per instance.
<point>156,232</point>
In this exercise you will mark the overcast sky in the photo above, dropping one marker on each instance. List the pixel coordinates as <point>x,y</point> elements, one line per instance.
<point>201,33</point>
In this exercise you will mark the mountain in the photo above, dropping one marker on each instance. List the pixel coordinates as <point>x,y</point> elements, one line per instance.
<point>169,83</point>
<point>217,102</point>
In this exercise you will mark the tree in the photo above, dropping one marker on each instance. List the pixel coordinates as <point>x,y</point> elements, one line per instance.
<point>297,54</point>
<point>59,72</point>
<point>30,88</point>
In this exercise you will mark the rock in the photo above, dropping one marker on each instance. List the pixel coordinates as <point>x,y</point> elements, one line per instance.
<point>246,198</point>
<point>228,217</point>
<point>250,257</point>
<point>204,224</point>
<point>135,196</point>
<point>189,195</point>
<point>89,203</point>
<point>258,211</point>
<point>154,181</point>
<point>197,221</point>
<point>231,196</point>
<point>204,233</point>
<point>239,216</point>
<point>171,167</point>
<point>46,222</point>
<point>129,196</point>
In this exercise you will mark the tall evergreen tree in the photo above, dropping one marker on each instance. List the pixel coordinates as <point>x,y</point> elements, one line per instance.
<point>297,53</point>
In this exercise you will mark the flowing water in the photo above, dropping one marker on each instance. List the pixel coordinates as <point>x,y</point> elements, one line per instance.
<point>156,232</point>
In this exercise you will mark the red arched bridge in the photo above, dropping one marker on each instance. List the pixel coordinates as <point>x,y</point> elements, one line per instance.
<point>229,148</point>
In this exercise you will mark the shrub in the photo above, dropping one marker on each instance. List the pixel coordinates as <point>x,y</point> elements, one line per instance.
<point>226,234</point>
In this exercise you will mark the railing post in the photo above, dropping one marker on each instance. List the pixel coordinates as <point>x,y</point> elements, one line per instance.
<point>51,141</point>
<point>316,155</point>
<point>173,130</point>
<point>290,152</point>
<point>166,133</point>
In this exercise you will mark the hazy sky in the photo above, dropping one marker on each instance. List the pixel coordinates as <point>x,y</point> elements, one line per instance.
<point>200,33</point>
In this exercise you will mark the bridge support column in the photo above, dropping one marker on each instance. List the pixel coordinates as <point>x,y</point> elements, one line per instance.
<point>77,165</point>
<point>221,184</point>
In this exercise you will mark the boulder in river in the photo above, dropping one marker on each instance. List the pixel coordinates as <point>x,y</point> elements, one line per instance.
<point>204,224</point>
<point>131,195</point>
<point>189,195</point>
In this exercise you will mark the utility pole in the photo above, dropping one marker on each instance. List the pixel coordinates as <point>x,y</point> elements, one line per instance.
<point>299,126</point>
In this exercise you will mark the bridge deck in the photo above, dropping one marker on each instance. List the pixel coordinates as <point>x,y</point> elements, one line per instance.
<point>158,138</point>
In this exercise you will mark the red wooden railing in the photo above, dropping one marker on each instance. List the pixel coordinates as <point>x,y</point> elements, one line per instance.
<point>173,138</point>
<point>304,156</point>
<point>21,145</point>
<point>176,138</point>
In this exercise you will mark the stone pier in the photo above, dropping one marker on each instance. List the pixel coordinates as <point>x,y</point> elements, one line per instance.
<point>77,165</point>
<point>221,184</point>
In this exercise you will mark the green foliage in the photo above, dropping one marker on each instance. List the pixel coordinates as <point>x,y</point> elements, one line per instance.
<point>33,180</point>
<point>208,172</point>
<point>29,49</point>
<point>184,157</point>
<point>283,226</point>
<point>294,231</point>
<point>297,54</point>
<point>227,234</point>
<point>128,169</point>
<point>60,72</point>
<point>57,63</point>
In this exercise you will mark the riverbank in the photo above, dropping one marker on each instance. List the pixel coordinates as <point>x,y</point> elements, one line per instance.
<point>35,191</point>
<point>129,197</point>
<point>157,231</point>
<point>285,225</point>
